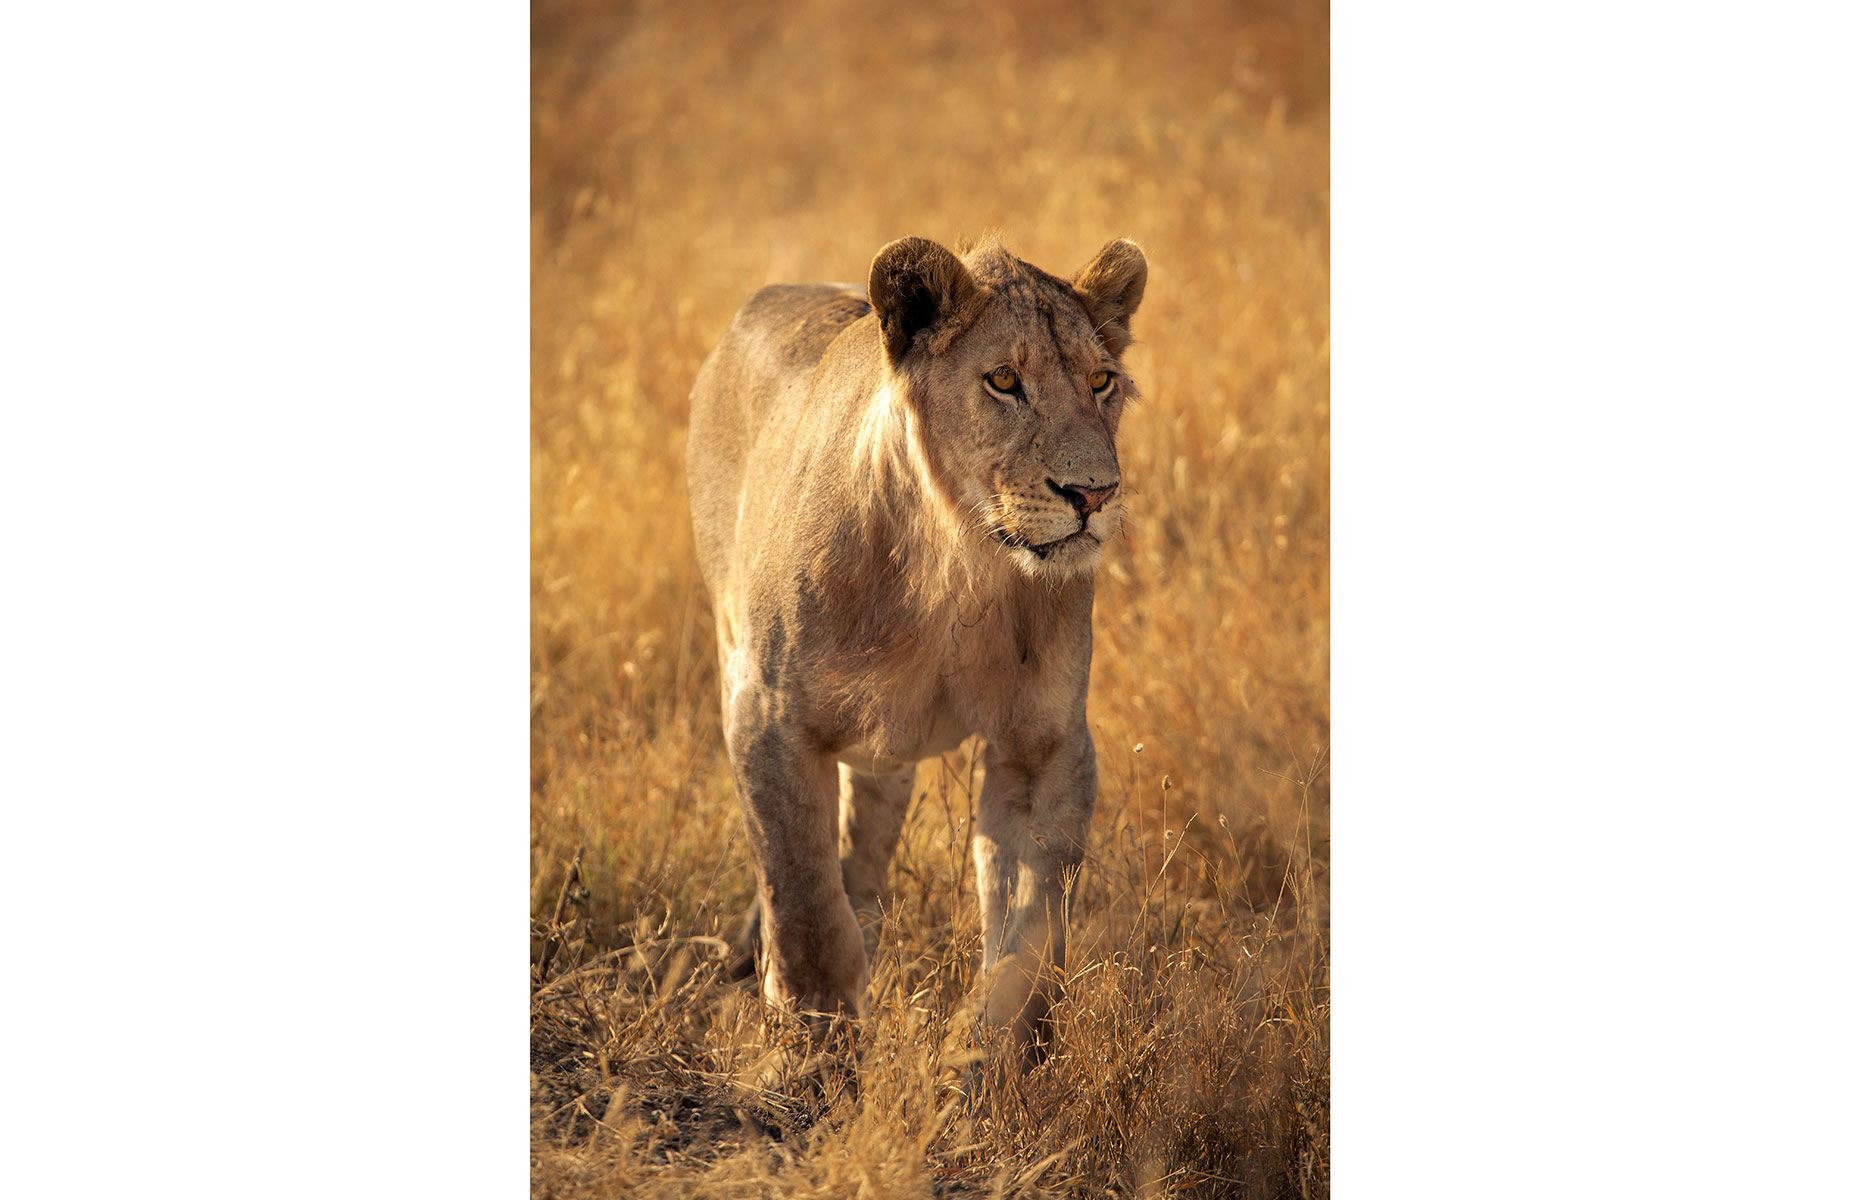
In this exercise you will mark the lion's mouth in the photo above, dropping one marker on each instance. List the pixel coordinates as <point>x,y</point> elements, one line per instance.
<point>1042,549</point>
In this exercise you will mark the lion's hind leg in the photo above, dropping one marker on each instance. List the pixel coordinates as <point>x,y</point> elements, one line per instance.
<point>873,805</point>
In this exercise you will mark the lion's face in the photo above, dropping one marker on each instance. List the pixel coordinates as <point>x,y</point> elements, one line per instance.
<point>1019,392</point>
<point>1024,408</point>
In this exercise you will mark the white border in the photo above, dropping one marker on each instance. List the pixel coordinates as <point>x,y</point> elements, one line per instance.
<point>1594,599</point>
<point>265,476</point>
<point>265,486</point>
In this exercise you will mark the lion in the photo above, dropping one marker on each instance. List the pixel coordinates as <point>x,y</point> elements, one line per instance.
<point>899,495</point>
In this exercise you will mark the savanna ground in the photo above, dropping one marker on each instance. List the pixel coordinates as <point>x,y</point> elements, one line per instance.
<point>684,154</point>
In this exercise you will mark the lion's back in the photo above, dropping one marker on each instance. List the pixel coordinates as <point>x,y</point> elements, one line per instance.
<point>753,384</point>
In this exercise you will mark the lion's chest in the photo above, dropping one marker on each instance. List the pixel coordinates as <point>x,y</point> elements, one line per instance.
<point>922,696</point>
<point>887,746</point>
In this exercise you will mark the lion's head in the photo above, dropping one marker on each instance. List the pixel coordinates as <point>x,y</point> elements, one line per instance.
<point>1013,384</point>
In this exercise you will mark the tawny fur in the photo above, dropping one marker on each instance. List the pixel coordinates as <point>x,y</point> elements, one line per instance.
<point>901,555</point>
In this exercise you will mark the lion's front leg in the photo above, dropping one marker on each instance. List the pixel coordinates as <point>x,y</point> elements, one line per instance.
<point>790,798</point>
<point>873,805</point>
<point>1031,830</point>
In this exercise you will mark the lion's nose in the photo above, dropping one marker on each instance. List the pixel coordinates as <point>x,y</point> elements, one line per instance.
<point>1087,500</point>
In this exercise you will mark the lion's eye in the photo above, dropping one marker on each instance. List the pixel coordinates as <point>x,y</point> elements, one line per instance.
<point>1003,379</point>
<point>1100,380</point>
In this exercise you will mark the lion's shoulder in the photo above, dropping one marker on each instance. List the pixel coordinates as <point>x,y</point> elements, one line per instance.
<point>763,366</point>
<point>769,383</point>
<point>792,324</point>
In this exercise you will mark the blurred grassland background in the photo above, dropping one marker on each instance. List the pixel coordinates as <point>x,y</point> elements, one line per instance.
<point>685,154</point>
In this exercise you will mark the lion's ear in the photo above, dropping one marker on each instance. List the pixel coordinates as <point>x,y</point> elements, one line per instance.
<point>1111,287</point>
<point>915,285</point>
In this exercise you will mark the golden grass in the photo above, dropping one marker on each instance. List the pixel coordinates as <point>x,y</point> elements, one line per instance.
<point>684,155</point>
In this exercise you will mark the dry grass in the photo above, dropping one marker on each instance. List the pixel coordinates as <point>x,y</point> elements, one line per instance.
<point>684,155</point>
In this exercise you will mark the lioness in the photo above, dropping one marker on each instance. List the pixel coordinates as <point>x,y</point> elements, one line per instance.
<point>899,502</point>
